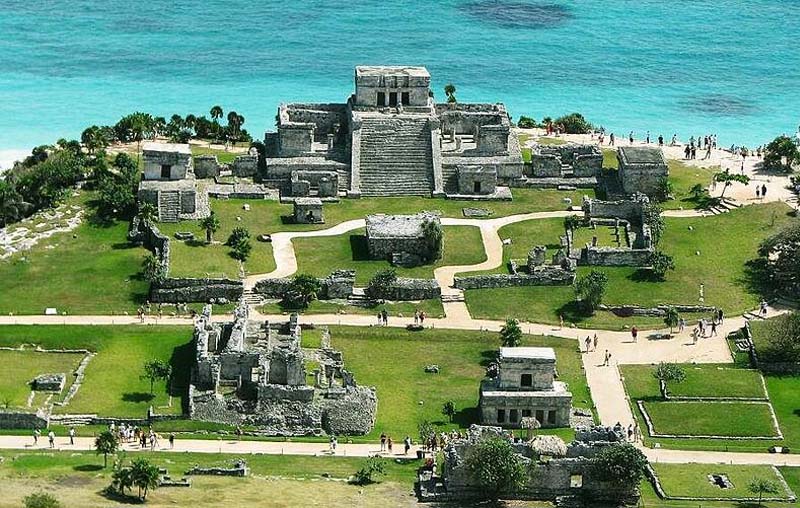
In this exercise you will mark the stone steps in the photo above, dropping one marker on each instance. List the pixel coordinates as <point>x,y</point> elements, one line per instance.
<point>252,298</point>
<point>169,206</point>
<point>453,298</point>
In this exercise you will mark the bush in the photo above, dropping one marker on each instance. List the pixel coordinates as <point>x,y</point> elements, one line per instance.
<point>655,221</point>
<point>660,263</point>
<point>302,290</point>
<point>779,254</point>
<point>526,122</point>
<point>778,339</point>
<point>372,466</point>
<point>574,123</point>
<point>432,230</point>
<point>590,289</point>
<point>380,281</point>
<point>621,465</point>
<point>779,150</point>
<point>511,333</point>
<point>496,467</point>
<point>41,500</point>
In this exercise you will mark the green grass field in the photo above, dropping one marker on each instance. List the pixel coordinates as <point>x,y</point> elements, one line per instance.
<point>691,480</point>
<point>223,156</point>
<point>605,237</point>
<point>112,386</point>
<point>725,244</point>
<point>728,419</point>
<point>320,256</point>
<point>393,361</point>
<point>432,308</point>
<point>20,367</point>
<point>702,380</point>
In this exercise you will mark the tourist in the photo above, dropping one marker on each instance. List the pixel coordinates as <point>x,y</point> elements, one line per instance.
<point>660,140</point>
<point>238,433</point>
<point>763,191</point>
<point>758,192</point>
<point>630,137</point>
<point>701,326</point>
<point>720,316</point>
<point>389,443</point>
<point>634,333</point>
<point>681,325</point>
<point>560,321</point>
<point>332,443</point>
<point>422,317</point>
<point>51,437</point>
<point>694,152</point>
<point>72,435</point>
<point>687,152</point>
<point>171,440</point>
<point>385,316</point>
<point>588,343</point>
<point>406,445</point>
<point>630,432</point>
<point>383,441</point>
<point>611,139</point>
<point>380,318</point>
<point>708,153</point>
<point>713,327</point>
<point>607,359</point>
<point>594,347</point>
<point>763,310</point>
<point>695,334</point>
<point>36,434</point>
<point>416,317</point>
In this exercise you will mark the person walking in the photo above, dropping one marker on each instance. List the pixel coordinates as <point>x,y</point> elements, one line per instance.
<point>720,316</point>
<point>681,325</point>
<point>758,192</point>
<point>406,445</point>
<point>389,443</point>
<point>594,348</point>
<point>422,317</point>
<point>606,358</point>
<point>611,139</point>
<point>634,333</point>
<point>560,321</point>
<point>36,434</point>
<point>588,343</point>
<point>763,191</point>
<point>51,437</point>
<point>72,435</point>
<point>333,443</point>
<point>383,441</point>
<point>171,440</point>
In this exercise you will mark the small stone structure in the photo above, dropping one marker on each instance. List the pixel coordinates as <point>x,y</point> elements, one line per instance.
<point>169,183</point>
<point>404,289</point>
<point>627,216</point>
<point>308,211</point>
<point>400,238</point>
<point>49,382</point>
<point>255,374</point>
<point>239,469</point>
<point>641,169</point>
<point>557,472</point>
<point>525,388</point>
<point>570,164</point>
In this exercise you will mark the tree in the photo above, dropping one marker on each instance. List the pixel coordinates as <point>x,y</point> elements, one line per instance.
<point>590,288</point>
<point>155,370</point>
<point>302,290</point>
<point>761,486</point>
<point>668,373</point>
<point>235,121</point>
<point>449,410</point>
<point>106,443</point>
<point>211,225</point>
<point>572,222</point>
<point>672,318</point>
<point>153,269</point>
<point>41,500</point>
<point>511,333</point>
<point>432,231</point>
<point>651,216</point>
<point>238,234</point>
<point>574,123</point>
<point>425,430</point>
<point>526,122</point>
<point>144,476</point>
<point>241,249</point>
<point>450,92</point>
<point>372,466</point>
<point>12,207</point>
<point>118,189</point>
<point>781,154</point>
<point>664,189</point>
<point>660,263</point>
<point>496,467</point>
<point>148,213</point>
<point>216,113</point>
<point>779,253</point>
<point>727,178</point>
<point>621,465</point>
<point>380,281</point>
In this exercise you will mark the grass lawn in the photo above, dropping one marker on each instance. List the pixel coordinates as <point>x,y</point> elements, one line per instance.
<point>432,308</point>
<point>77,479</point>
<point>223,156</point>
<point>605,236</point>
<point>20,367</point>
<point>725,244</point>
<point>730,419</point>
<point>393,361</point>
<point>683,178</point>
<point>524,236</point>
<point>702,380</point>
<point>322,255</point>
<point>112,386</point>
<point>610,160</point>
<point>691,480</point>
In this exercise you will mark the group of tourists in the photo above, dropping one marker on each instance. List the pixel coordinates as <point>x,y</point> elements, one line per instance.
<point>631,432</point>
<point>135,435</point>
<point>419,317</point>
<point>181,309</point>
<point>387,444</point>
<point>51,437</point>
<point>439,441</point>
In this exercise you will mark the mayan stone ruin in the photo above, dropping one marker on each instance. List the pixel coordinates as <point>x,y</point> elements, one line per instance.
<point>401,239</point>
<point>169,182</point>
<point>255,373</point>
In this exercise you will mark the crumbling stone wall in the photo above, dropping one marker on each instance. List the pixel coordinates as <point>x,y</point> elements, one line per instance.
<point>352,415</point>
<point>11,419</point>
<point>244,165</point>
<point>617,256</point>
<point>542,276</point>
<point>148,235</point>
<point>404,289</point>
<point>206,166</point>
<point>180,290</point>
<point>339,284</point>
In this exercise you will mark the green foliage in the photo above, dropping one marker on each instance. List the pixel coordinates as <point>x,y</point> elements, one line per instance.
<point>761,486</point>
<point>153,270</point>
<point>698,191</point>
<point>432,230</point>
<point>660,263</point>
<point>781,154</point>
<point>46,183</point>
<point>239,241</point>
<point>496,467</point>
<point>727,178</point>
<point>118,188</point>
<point>664,189</point>
<point>449,410</point>
<point>12,206</point>
<point>778,339</point>
<point>590,288</point>
<point>302,290</point>
<point>211,225</point>
<point>526,122</point>
<point>425,430</point>
<point>237,235</point>
<point>572,222</point>
<point>106,443</point>
<point>41,500</point>
<point>779,254</point>
<point>621,465</point>
<point>573,123</point>
<point>382,280</point>
<point>366,475</point>
<point>153,370</point>
<point>511,333</point>
<point>144,476</point>
<point>450,92</point>
<point>672,318</point>
<point>655,221</point>
<point>148,213</point>
<point>668,373</point>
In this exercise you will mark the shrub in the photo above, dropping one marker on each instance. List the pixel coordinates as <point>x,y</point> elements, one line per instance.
<point>380,281</point>
<point>781,149</point>
<point>496,467</point>
<point>432,230</point>
<point>526,122</point>
<point>779,253</point>
<point>655,221</point>
<point>302,290</point>
<point>574,123</point>
<point>238,234</point>
<point>660,263</point>
<point>511,333</point>
<point>372,466</point>
<point>621,465</point>
<point>590,289</point>
<point>449,410</point>
<point>41,500</point>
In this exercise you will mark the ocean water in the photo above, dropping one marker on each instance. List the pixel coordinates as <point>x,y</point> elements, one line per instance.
<point>687,67</point>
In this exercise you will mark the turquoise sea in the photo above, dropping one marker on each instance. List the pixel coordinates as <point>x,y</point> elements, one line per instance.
<point>690,67</point>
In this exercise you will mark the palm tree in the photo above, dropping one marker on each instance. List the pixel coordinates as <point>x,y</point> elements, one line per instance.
<point>235,121</point>
<point>144,476</point>
<point>216,113</point>
<point>450,92</point>
<point>190,121</point>
<point>159,125</point>
<point>211,225</point>
<point>148,213</point>
<point>107,444</point>
<point>672,318</point>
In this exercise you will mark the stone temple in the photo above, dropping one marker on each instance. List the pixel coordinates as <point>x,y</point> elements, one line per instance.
<point>525,388</point>
<point>391,139</point>
<point>400,239</point>
<point>255,373</point>
<point>169,182</point>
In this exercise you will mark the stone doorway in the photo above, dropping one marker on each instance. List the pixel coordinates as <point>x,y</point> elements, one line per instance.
<point>166,171</point>
<point>393,99</point>
<point>406,98</point>
<point>381,99</point>
<point>476,188</point>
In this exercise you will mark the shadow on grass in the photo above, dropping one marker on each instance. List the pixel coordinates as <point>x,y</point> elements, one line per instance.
<point>113,495</point>
<point>644,275</point>
<point>181,361</point>
<point>488,357</point>
<point>195,242</point>
<point>757,278</point>
<point>137,397</point>
<point>124,246</point>
<point>287,219</point>
<point>574,312</point>
<point>359,248</point>
<point>466,417</point>
<point>88,468</point>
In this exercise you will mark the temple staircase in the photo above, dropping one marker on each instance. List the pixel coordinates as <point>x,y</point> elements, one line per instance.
<point>169,206</point>
<point>396,156</point>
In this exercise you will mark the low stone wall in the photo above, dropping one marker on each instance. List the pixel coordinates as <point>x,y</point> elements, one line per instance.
<point>404,289</point>
<point>628,209</point>
<point>10,419</point>
<point>550,276</point>
<point>351,415</point>
<point>658,311</point>
<point>272,288</point>
<point>616,256</point>
<point>183,290</point>
<point>244,165</point>
<point>148,234</point>
<point>339,284</point>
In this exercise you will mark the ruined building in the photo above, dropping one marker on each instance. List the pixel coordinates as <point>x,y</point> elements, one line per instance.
<point>401,239</point>
<point>525,388</point>
<point>256,373</point>
<point>391,139</point>
<point>169,183</point>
